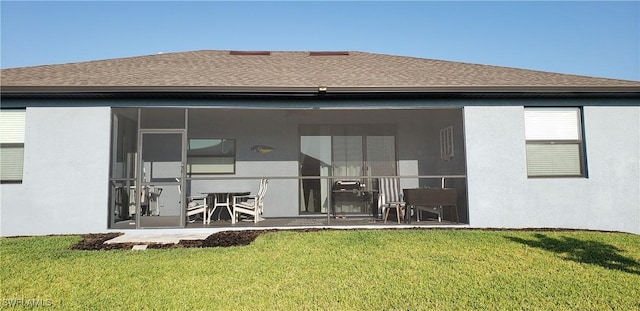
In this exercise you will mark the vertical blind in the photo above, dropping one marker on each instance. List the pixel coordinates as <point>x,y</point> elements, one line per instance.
<point>554,142</point>
<point>381,155</point>
<point>12,125</point>
<point>347,155</point>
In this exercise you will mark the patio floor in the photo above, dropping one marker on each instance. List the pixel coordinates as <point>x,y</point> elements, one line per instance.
<point>198,230</point>
<point>302,222</point>
<point>314,221</point>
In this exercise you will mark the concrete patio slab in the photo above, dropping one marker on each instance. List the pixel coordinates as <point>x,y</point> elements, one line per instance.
<point>160,238</point>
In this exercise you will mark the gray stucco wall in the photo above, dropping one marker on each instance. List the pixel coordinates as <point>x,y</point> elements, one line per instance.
<point>65,179</point>
<point>501,195</point>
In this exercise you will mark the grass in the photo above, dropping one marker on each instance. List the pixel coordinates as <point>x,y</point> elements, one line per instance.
<point>335,270</point>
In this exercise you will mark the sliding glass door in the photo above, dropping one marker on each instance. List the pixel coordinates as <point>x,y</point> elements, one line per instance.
<point>315,168</point>
<point>348,156</point>
<point>380,153</point>
<point>342,159</point>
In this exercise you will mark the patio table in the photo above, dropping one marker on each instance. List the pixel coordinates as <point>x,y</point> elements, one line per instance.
<point>430,197</point>
<point>221,199</point>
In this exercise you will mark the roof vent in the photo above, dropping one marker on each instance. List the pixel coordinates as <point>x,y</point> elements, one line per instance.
<point>249,53</point>
<point>328,53</point>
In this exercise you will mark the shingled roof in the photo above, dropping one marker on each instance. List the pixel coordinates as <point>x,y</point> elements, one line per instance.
<point>215,70</point>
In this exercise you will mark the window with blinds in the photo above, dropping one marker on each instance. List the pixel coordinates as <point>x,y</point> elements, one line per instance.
<point>554,144</point>
<point>12,125</point>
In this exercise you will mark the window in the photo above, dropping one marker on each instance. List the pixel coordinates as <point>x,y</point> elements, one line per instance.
<point>554,142</point>
<point>211,156</point>
<point>446,143</point>
<point>12,124</point>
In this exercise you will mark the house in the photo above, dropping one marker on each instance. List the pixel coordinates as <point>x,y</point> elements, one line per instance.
<point>122,143</point>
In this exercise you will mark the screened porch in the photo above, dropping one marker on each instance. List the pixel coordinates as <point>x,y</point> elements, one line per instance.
<point>323,165</point>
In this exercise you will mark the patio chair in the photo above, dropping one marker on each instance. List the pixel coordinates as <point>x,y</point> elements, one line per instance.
<point>251,205</point>
<point>390,197</point>
<point>194,208</point>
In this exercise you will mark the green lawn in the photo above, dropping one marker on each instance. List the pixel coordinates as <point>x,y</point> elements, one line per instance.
<point>334,270</point>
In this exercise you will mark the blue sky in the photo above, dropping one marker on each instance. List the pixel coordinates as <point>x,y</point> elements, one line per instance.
<point>594,38</point>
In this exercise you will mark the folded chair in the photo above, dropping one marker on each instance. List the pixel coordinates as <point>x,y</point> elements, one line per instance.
<point>251,205</point>
<point>390,197</point>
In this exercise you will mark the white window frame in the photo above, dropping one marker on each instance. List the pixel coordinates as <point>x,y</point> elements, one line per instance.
<point>554,142</point>
<point>12,127</point>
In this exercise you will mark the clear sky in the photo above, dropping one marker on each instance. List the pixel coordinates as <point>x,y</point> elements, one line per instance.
<point>593,38</point>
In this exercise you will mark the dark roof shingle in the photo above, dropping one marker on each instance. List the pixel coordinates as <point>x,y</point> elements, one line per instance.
<point>215,68</point>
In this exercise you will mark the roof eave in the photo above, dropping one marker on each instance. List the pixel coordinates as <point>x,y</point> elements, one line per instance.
<point>496,89</point>
<point>320,88</point>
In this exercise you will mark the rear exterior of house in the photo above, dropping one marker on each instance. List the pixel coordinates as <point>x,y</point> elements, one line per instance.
<point>123,144</point>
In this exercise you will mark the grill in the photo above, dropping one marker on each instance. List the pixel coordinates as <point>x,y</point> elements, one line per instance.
<point>346,185</point>
<point>348,197</point>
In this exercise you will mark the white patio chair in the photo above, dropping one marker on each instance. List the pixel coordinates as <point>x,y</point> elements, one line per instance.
<point>196,205</point>
<point>251,205</point>
<point>390,197</point>
<point>194,208</point>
